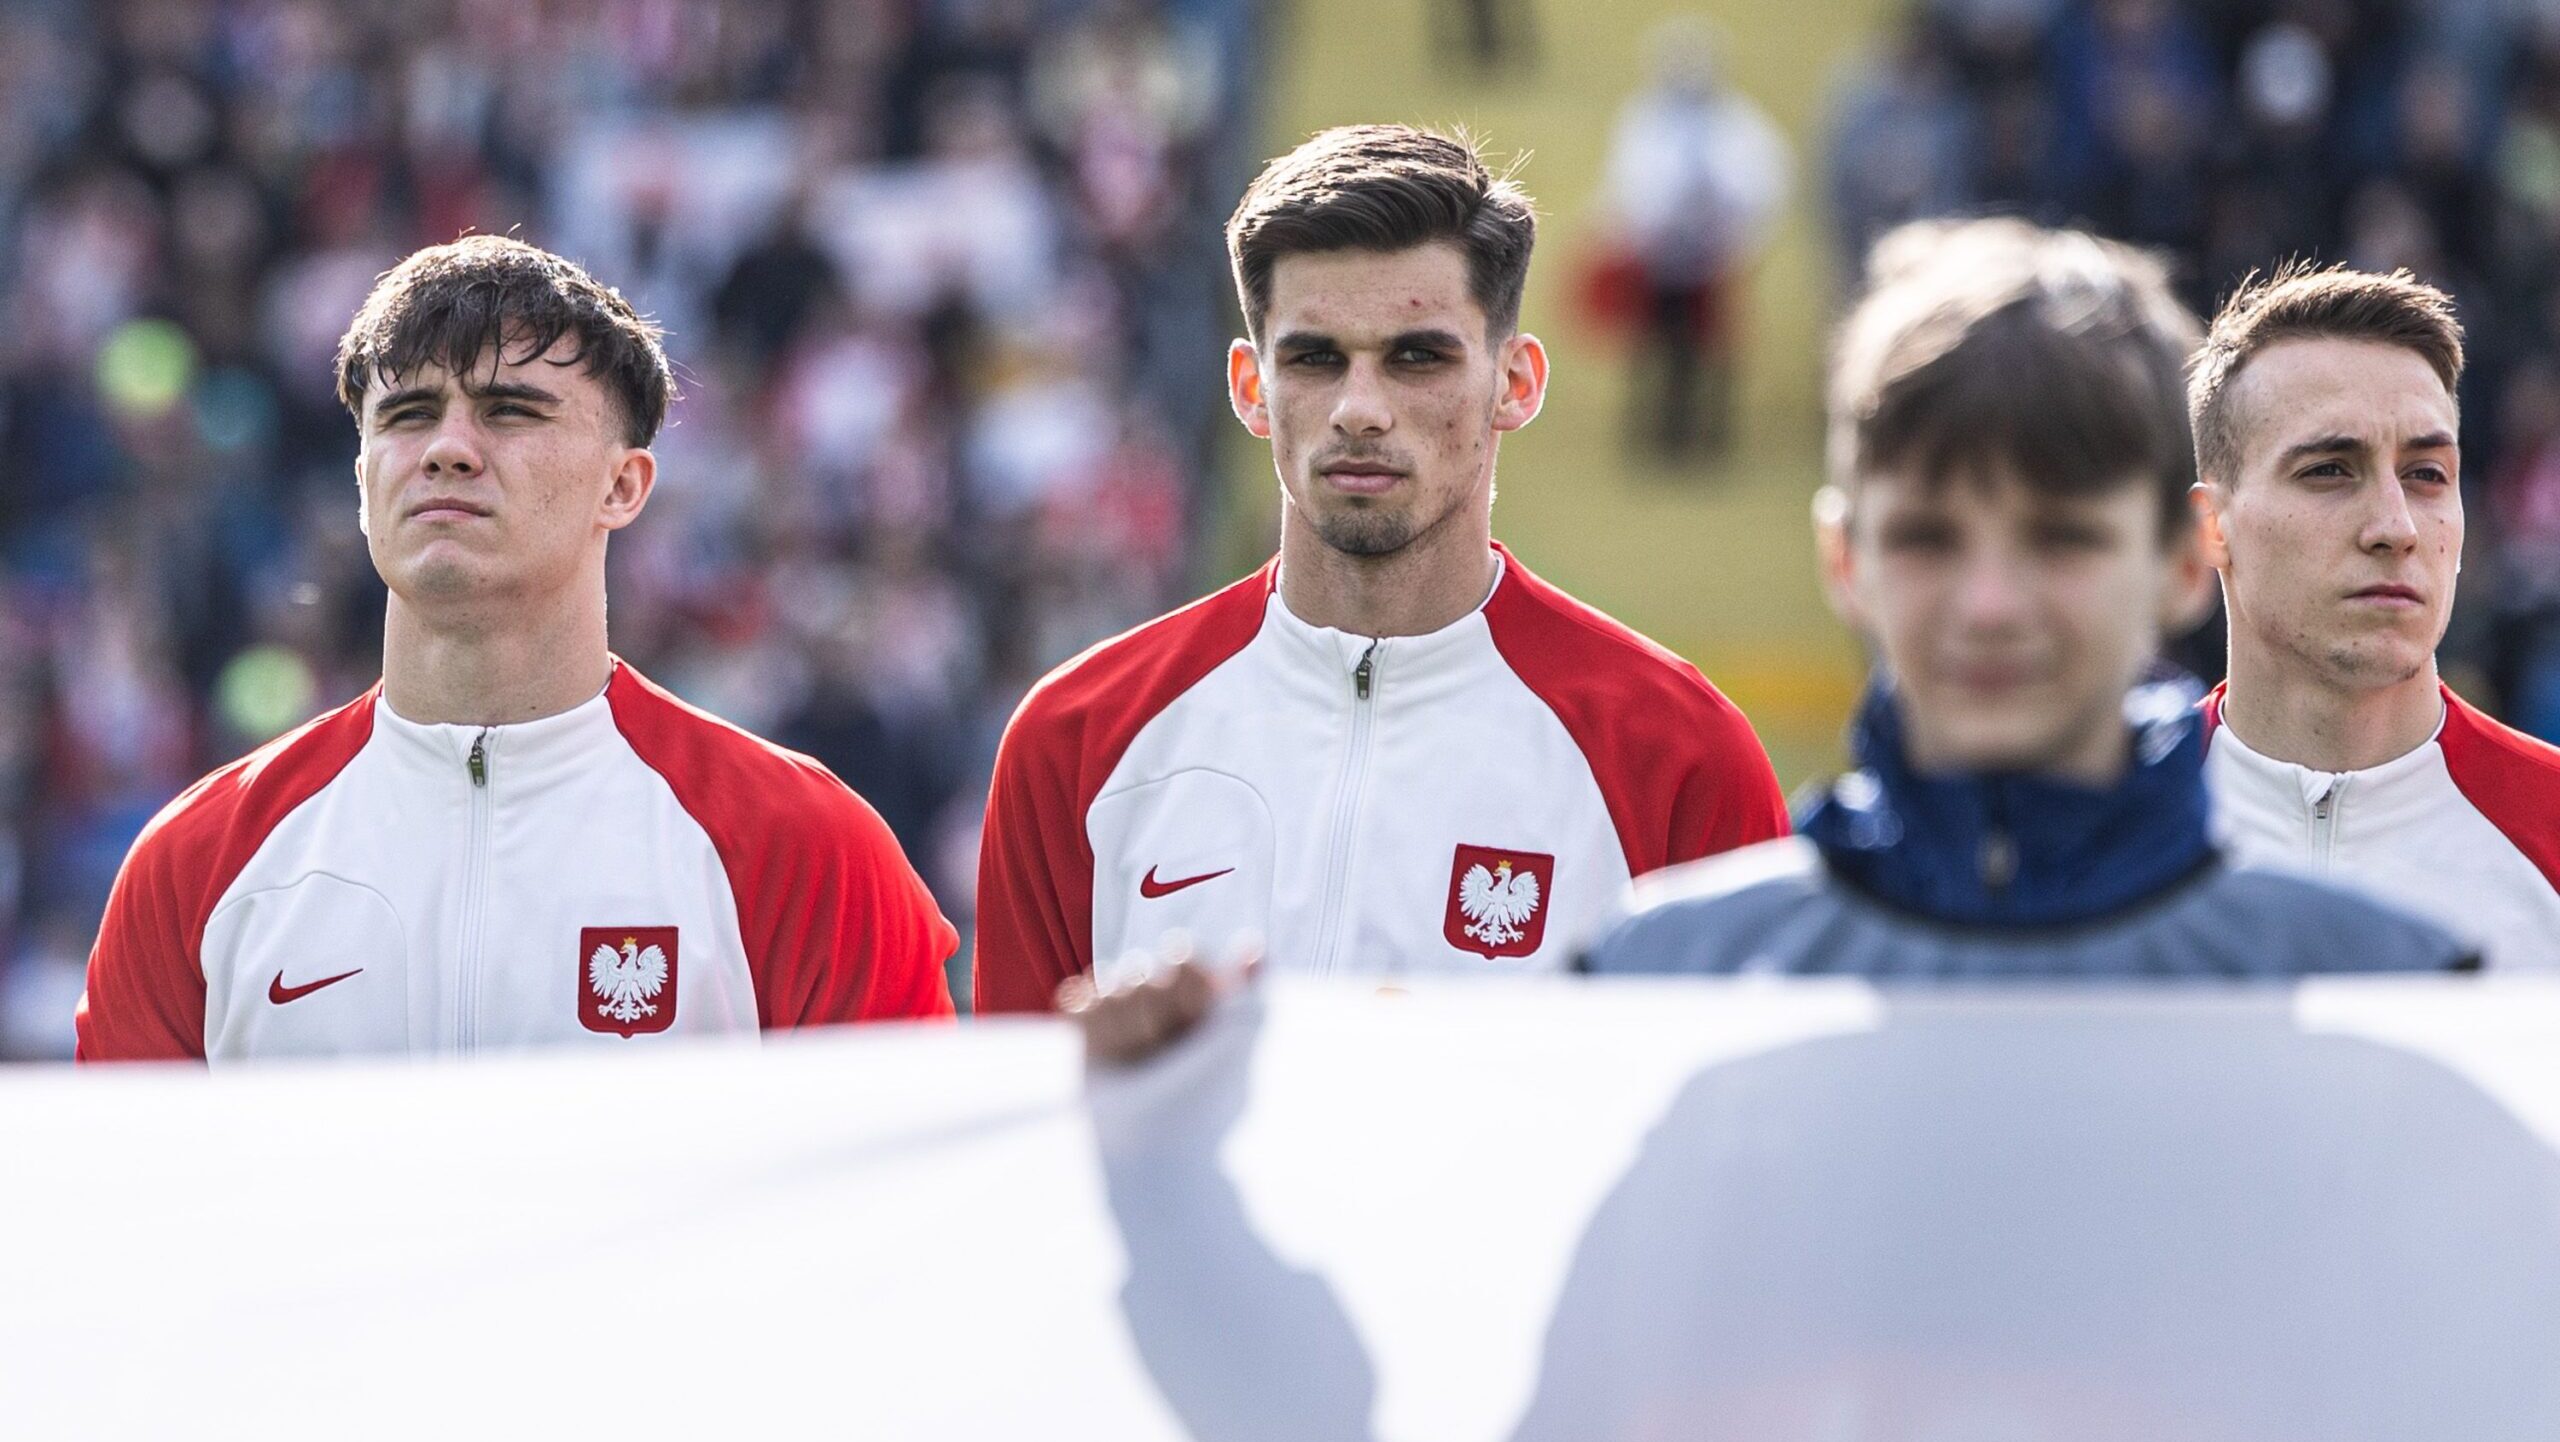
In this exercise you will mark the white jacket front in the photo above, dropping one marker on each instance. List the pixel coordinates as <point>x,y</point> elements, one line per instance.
<point>626,869</point>
<point>1475,799</point>
<point>2464,830</point>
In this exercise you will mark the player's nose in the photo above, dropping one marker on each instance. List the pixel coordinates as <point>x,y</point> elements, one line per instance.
<point>1361,408</point>
<point>451,452</point>
<point>2389,525</point>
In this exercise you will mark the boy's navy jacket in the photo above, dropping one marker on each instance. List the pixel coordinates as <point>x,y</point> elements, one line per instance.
<point>2017,849</point>
<point>1899,874</point>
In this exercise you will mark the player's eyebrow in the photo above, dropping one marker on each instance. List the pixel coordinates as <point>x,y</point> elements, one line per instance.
<point>2332,445</point>
<point>406,395</point>
<point>1298,342</point>
<point>2433,441</point>
<point>514,391</point>
<point>1429,340</point>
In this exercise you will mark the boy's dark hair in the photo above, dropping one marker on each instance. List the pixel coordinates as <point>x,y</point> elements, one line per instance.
<point>1385,188</point>
<point>451,305</point>
<point>1995,342</point>
<point>2302,302</point>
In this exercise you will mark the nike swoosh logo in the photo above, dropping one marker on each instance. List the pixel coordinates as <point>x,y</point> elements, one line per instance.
<point>279,993</point>
<point>1152,888</point>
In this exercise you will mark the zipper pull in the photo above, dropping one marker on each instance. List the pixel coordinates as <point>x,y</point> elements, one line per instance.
<point>1360,677</point>
<point>480,759</point>
<point>1999,860</point>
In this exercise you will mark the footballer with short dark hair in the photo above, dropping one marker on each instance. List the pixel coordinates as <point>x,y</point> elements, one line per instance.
<point>2327,422</point>
<point>1393,749</point>
<point>515,839</point>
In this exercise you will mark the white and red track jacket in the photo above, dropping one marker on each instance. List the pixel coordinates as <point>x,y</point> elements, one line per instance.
<point>1474,799</point>
<point>2464,831</point>
<point>629,868</point>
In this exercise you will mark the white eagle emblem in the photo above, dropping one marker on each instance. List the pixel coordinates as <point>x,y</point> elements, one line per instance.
<point>624,982</point>
<point>1497,903</point>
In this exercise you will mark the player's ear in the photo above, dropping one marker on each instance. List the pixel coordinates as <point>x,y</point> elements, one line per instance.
<point>1244,388</point>
<point>2207,499</point>
<point>2187,598</point>
<point>635,475</point>
<point>1833,555</point>
<point>1524,382</point>
<point>364,523</point>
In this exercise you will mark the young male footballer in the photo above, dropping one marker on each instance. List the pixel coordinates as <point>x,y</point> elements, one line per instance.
<point>514,840</point>
<point>2330,446</point>
<point>1393,749</point>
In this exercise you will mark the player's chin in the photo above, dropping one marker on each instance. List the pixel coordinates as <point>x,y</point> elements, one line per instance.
<point>442,572</point>
<point>1377,530</point>
<point>2383,657</point>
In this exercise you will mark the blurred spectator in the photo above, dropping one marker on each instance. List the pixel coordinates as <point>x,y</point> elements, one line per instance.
<point>934,274</point>
<point>2131,84</point>
<point>1901,144</point>
<point>1487,35</point>
<point>1696,173</point>
<point>1996,42</point>
<point>2235,134</point>
<point>1121,96</point>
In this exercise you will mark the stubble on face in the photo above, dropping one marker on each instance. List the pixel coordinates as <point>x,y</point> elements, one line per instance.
<point>2358,666</point>
<point>1355,530</point>
<point>1379,359</point>
<point>1362,528</point>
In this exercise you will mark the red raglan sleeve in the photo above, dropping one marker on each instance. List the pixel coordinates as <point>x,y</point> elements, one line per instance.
<point>839,927</point>
<point>145,997</point>
<point>1683,773</point>
<point>1727,794</point>
<point>2512,778</point>
<point>1035,876</point>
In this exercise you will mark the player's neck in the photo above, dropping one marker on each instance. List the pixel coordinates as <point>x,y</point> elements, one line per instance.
<point>1427,585</point>
<point>2281,711</point>
<point>478,671</point>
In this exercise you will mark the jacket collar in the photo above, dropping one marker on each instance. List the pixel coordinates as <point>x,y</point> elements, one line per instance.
<point>529,749</point>
<point>1341,652</point>
<point>2403,789</point>
<point>2018,850</point>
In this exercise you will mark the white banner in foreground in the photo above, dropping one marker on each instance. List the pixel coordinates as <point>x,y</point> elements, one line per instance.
<point>1782,1213</point>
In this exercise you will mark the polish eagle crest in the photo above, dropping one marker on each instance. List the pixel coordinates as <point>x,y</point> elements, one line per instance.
<point>1498,903</point>
<point>627,982</point>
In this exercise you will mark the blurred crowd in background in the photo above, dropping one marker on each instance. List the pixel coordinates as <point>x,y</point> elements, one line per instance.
<point>2232,133</point>
<point>938,277</point>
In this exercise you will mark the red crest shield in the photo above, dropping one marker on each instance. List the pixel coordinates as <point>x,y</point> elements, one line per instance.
<point>1498,901</point>
<point>627,978</point>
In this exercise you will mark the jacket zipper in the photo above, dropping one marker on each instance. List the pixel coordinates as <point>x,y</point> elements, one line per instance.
<point>1346,807</point>
<point>2324,823</point>
<point>474,901</point>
